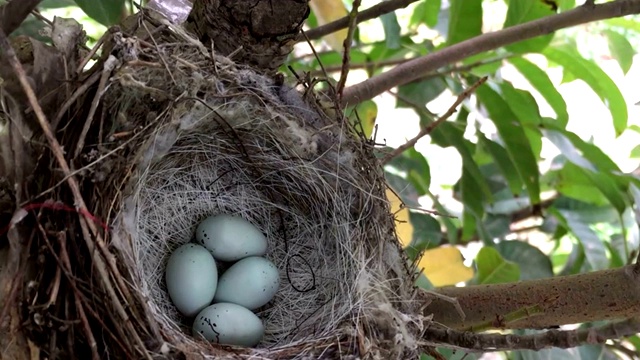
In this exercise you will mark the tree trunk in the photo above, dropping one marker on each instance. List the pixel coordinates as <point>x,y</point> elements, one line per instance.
<point>258,33</point>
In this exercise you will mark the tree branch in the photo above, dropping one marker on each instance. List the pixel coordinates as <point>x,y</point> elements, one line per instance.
<point>542,303</point>
<point>13,13</point>
<point>551,338</point>
<point>416,68</point>
<point>371,13</point>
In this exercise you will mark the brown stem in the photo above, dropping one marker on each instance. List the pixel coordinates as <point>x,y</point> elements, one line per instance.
<point>373,12</point>
<point>346,56</point>
<point>416,68</point>
<point>600,295</point>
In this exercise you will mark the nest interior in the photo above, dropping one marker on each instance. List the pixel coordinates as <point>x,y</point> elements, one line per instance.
<point>195,134</point>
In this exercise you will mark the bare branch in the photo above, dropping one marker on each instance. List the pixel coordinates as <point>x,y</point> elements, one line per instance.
<point>429,128</point>
<point>346,58</point>
<point>416,68</point>
<point>551,338</point>
<point>14,12</point>
<point>371,13</point>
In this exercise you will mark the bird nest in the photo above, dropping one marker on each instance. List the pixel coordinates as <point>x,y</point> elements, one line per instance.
<point>186,134</point>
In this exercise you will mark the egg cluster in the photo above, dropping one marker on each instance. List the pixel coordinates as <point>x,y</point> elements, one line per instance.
<point>221,305</point>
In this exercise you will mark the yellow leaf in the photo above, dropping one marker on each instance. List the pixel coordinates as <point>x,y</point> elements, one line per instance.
<point>327,11</point>
<point>404,229</point>
<point>443,266</point>
<point>366,112</point>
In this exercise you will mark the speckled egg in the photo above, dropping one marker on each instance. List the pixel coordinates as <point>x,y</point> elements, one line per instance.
<point>230,238</point>
<point>230,324</point>
<point>251,282</point>
<point>192,278</point>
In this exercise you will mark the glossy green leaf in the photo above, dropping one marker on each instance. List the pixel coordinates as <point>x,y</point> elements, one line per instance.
<point>596,78</point>
<point>465,20</point>
<point>635,152</point>
<point>54,4</point>
<point>565,5</point>
<point>597,157</point>
<point>391,30</point>
<point>420,92</point>
<point>486,63</point>
<point>515,140</point>
<point>447,134</point>
<point>426,12</point>
<point>620,49</point>
<point>594,249</point>
<point>106,12</point>
<point>541,82</point>
<point>522,104</point>
<point>504,163</point>
<point>533,263</point>
<point>494,269</point>
<point>521,11</point>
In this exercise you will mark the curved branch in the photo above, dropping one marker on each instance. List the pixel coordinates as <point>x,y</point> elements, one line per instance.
<point>373,12</point>
<point>416,68</point>
<point>542,303</point>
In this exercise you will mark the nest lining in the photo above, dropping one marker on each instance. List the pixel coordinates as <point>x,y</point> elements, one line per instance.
<point>228,140</point>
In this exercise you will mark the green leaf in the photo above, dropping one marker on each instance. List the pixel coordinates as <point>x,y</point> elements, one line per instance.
<point>446,134</point>
<point>486,63</point>
<point>620,49</point>
<point>516,142</point>
<point>420,92</point>
<point>426,12</point>
<point>54,4</point>
<point>426,234</point>
<point>624,23</point>
<point>541,82</point>
<point>465,20</point>
<point>106,12</point>
<point>533,263</point>
<point>416,167</point>
<point>594,248</point>
<point>596,78</point>
<point>521,11</point>
<point>391,30</point>
<point>592,153</point>
<point>504,163</point>
<point>522,104</point>
<point>565,5</point>
<point>635,152</point>
<point>493,269</point>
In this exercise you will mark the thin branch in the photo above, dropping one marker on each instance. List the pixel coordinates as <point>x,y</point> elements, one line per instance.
<point>371,13</point>
<point>550,338</point>
<point>427,129</point>
<point>13,13</point>
<point>346,58</point>
<point>416,68</point>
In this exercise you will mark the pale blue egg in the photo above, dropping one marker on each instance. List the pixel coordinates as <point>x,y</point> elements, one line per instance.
<point>192,278</point>
<point>251,282</point>
<point>230,238</point>
<point>230,324</point>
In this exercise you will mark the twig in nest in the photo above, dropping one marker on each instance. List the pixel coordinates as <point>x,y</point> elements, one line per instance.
<point>346,57</point>
<point>550,338</point>
<point>427,129</point>
<point>368,14</point>
<point>64,256</point>
<point>89,229</point>
<point>109,65</point>
<point>76,94</point>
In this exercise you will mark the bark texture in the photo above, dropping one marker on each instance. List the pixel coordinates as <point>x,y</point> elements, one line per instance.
<point>259,33</point>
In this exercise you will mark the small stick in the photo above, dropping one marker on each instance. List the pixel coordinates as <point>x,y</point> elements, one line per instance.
<point>346,58</point>
<point>429,128</point>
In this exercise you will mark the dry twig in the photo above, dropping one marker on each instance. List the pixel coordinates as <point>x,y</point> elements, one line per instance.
<point>371,13</point>
<point>346,58</point>
<point>427,129</point>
